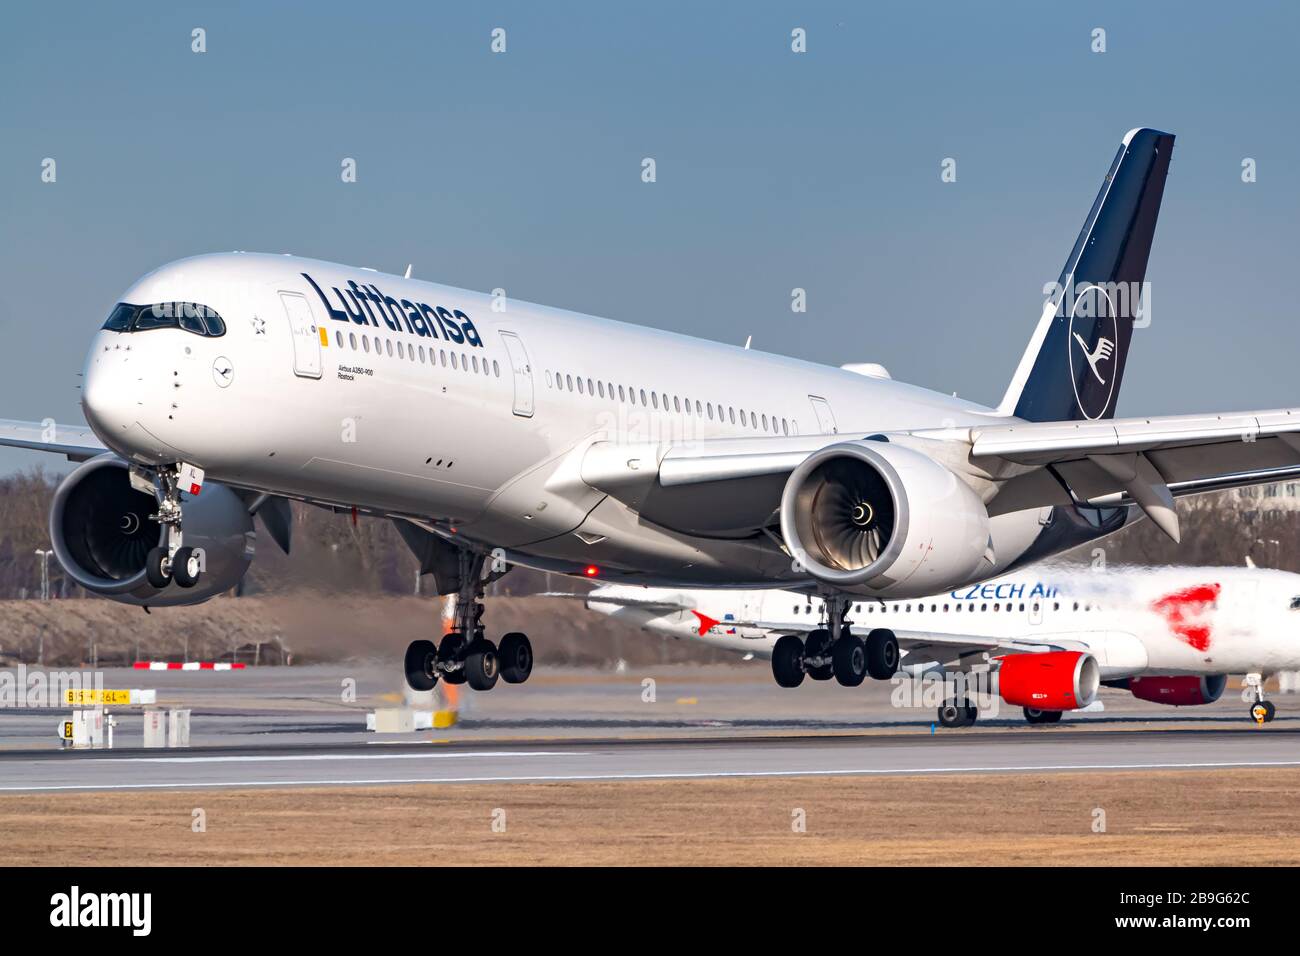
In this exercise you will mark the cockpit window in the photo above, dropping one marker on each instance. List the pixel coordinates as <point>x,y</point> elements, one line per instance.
<point>1295,603</point>
<point>121,318</point>
<point>189,316</point>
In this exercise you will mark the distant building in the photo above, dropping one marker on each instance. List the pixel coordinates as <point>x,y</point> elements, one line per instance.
<point>1277,500</point>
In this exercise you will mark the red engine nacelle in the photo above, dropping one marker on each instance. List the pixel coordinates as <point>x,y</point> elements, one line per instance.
<point>1055,680</point>
<point>1186,691</point>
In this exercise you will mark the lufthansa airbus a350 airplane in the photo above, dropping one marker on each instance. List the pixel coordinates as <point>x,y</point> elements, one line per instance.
<point>495,432</point>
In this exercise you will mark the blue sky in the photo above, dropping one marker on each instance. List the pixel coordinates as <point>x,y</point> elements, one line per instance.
<point>775,170</point>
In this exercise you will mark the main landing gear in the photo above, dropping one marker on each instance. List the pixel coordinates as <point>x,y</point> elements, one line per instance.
<point>1261,711</point>
<point>465,655</point>
<point>171,561</point>
<point>962,713</point>
<point>958,713</point>
<point>835,651</point>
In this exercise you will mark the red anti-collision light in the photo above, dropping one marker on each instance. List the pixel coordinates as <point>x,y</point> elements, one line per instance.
<point>591,571</point>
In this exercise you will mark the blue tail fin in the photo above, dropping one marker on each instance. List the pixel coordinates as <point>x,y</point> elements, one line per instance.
<point>1073,366</point>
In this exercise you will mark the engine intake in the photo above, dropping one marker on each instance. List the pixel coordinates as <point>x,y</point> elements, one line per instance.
<point>1053,680</point>
<point>870,514</point>
<point>1183,691</point>
<point>101,533</point>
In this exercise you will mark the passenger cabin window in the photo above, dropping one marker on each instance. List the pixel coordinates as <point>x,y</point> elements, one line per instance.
<point>189,316</point>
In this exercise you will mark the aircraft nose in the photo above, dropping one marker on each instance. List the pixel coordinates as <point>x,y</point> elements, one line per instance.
<point>109,397</point>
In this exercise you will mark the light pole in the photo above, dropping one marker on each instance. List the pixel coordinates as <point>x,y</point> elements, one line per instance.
<point>1274,545</point>
<point>45,572</point>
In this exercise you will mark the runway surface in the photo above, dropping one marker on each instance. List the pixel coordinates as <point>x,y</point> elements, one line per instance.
<point>305,726</point>
<point>450,763</point>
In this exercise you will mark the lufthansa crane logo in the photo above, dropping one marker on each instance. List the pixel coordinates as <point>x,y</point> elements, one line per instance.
<point>1105,348</point>
<point>1094,350</point>
<point>223,372</point>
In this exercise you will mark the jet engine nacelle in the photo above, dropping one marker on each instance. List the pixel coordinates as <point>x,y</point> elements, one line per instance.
<point>1053,680</point>
<point>101,532</point>
<point>872,517</point>
<point>1183,691</point>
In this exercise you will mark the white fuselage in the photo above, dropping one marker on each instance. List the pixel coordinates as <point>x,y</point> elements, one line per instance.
<point>1135,621</point>
<point>469,413</point>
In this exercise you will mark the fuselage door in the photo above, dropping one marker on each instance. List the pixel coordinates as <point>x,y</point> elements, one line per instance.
<point>825,417</point>
<point>523,374</point>
<point>306,338</point>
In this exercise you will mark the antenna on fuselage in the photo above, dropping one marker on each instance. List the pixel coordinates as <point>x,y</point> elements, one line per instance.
<point>748,339</point>
<point>407,274</point>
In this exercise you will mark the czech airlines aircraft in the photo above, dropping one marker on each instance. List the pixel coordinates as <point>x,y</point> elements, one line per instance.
<point>1047,638</point>
<point>495,432</point>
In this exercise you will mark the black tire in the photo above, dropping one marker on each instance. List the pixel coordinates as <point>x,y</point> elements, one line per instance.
<point>516,655</point>
<point>155,568</point>
<point>787,661</point>
<point>482,667</point>
<point>972,715</point>
<point>1035,716</point>
<point>882,654</point>
<point>952,714</point>
<point>1268,709</point>
<point>451,651</point>
<point>849,657</point>
<point>420,658</point>
<point>185,567</point>
<point>818,644</point>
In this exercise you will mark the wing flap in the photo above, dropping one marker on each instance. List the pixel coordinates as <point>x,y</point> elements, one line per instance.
<point>1032,443</point>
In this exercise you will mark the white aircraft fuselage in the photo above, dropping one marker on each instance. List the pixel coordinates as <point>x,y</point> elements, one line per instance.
<point>470,413</point>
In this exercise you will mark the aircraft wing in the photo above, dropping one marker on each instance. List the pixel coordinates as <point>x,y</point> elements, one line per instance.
<point>1143,461</point>
<point>76,442</point>
<point>732,487</point>
<point>1190,452</point>
<point>954,650</point>
<point>922,647</point>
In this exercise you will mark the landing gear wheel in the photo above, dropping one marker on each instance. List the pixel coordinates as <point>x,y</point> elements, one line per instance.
<point>1035,716</point>
<point>957,714</point>
<point>849,660</point>
<point>451,651</point>
<point>516,656</point>
<point>482,668</point>
<point>818,644</point>
<point>186,567</point>
<point>156,569</point>
<point>1263,711</point>
<point>882,654</point>
<point>787,661</point>
<point>420,659</point>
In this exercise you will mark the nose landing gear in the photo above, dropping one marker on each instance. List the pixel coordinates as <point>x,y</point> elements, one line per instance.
<point>172,561</point>
<point>1261,711</point>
